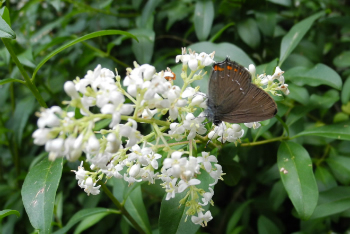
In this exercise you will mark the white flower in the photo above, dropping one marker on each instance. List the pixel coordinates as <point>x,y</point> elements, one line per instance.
<point>170,187</point>
<point>55,148</point>
<point>189,92</point>
<point>216,174</point>
<point>130,132</point>
<point>173,166</point>
<point>207,197</point>
<point>252,70</point>
<point>113,144</point>
<point>255,125</point>
<point>72,154</point>
<point>48,117</point>
<point>284,89</point>
<point>202,219</point>
<point>70,90</point>
<point>176,131</point>
<point>184,57</point>
<point>41,136</point>
<point>89,187</point>
<point>185,184</point>
<point>206,160</point>
<point>194,125</point>
<point>93,145</point>
<point>134,170</point>
<point>81,174</point>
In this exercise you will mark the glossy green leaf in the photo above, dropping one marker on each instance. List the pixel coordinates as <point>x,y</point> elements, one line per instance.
<point>345,93</point>
<point>5,15</point>
<point>340,167</point>
<point>236,216</point>
<point>80,39</point>
<point>294,36</point>
<point>136,208</point>
<point>133,201</point>
<point>143,49</point>
<point>172,215</point>
<point>217,35</point>
<point>266,226</point>
<point>148,11</point>
<point>89,222</point>
<point>297,60</point>
<point>39,191</point>
<point>266,22</point>
<point>277,195</point>
<point>299,94</point>
<point>320,74</point>
<point>82,214</point>
<point>325,101</point>
<point>332,201</point>
<point>340,131</point>
<point>281,2</point>
<point>5,30</point>
<point>267,68</point>
<point>297,176</point>
<point>324,179</point>
<point>340,117</point>
<point>5,213</point>
<point>203,19</point>
<point>249,32</point>
<point>342,60</point>
<point>18,122</point>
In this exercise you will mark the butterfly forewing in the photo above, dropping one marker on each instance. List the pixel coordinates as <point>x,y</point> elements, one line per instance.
<point>234,99</point>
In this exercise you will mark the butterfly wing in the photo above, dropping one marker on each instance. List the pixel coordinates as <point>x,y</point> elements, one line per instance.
<point>234,98</point>
<point>257,105</point>
<point>228,85</point>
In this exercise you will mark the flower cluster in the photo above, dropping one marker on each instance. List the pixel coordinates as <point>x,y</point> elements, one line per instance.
<point>121,151</point>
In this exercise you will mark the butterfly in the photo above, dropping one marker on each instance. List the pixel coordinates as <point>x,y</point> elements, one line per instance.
<point>233,98</point>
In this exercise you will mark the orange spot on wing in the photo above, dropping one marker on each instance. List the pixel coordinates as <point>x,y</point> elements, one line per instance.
<point>218,68</point>
<point>229,67</point>
<point>235,69</point>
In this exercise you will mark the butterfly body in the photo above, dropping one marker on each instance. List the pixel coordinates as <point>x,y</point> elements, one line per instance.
<point>234,98</point>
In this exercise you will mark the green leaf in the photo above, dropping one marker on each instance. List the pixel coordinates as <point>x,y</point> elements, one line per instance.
<point>133,201</point>
<point>340,131</point>
<point>232,168</point>
<point>342,60</point>
<point>82,214</point>
<point>297,113</point>
<point>18,122</point>
<point>266,226</point>
<point>281,2</point>
<point>294,36</point>
<point>236,216</point>
<point>5,213</point>
<point>80,39</point>
<point>218,34</point>
<point>143,49</point>
<point>297,176</point>
<point>324,179</point>
<point>5,30</point>
<point>326,100</point>
<point>266,22</point>
<point>320,74</point>
<point>332,201</point>
<point>89,222</point>
<point>4,12</point>
<point>39,191</point>
<point>340,167</point>
<point>136,208</point>
<point>345,93</point>
<point>148,11</point>
<point>277,195</point>
<point>299,94</point>
<point>203,19</point>
<point>26,58</point>
<point>267,68</point>
<point>249,32</point>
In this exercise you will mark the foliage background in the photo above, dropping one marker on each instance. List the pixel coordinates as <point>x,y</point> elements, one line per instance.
<point>253,198</point>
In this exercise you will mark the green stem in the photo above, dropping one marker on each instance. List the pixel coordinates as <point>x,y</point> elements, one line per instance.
<point>265,141</point>
<point>120,207</point>
<point>29,83</point>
